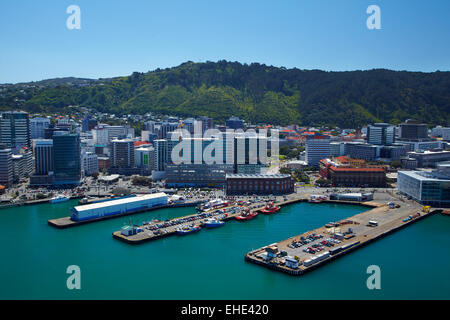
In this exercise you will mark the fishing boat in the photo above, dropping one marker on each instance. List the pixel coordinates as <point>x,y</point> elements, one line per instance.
<point>247,215</point>
<point>270,208</point>
<point>187,230</point>
<point>213,223</point>
<point>59,198</point>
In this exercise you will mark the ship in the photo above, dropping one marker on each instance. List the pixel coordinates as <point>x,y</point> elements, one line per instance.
<point>59,198</point>
<point>213,223</point>
<point>247,215</point>
<point>187,230</point>
<point>270,208</point>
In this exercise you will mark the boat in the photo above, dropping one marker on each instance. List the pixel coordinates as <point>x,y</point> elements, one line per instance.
<point>270,208</point>
<point>213,204</point>
<point>83,201</point>
<point>446,213</point>
<point>188,230</point>
<point>247,215</point>
<point>59,198</point>
<point>213,223</point>
<point>316,199</point>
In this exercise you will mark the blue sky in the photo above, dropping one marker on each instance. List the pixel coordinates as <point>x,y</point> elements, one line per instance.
<point>119,37</point>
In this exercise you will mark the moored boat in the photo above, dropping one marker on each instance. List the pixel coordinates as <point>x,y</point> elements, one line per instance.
<point>213,223</point>
<point>188,230</point>
<point>270,208</point>
<point>59,198</point>
<point>316,198</point>
<point>213,204</point>
<point>247,215</point>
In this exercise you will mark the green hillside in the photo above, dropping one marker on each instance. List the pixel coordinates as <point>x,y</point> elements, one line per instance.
<point>255,92</point>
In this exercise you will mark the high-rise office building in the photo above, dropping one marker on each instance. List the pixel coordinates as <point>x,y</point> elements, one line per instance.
<point>90,163</point>
<point>381,134</point>
<point>43,155</point>
<point>122,153</point>
<point>207,123</point>
<point>413,130</point>
<point>48,132</point>
<point>22,163</point>
<point>87,124</point>
<point>144,158</point>
<point>317,148</point>
<point>66,158</point>
<point>119,132</point>
<point>38,126</point>
<point>250,153</point>
<point>15,130</point>
<point>100,135</point>
<point>160,161</point>
<point>6,166</point>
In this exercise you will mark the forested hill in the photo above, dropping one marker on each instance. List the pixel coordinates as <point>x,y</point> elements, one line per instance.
<point>255,92</point>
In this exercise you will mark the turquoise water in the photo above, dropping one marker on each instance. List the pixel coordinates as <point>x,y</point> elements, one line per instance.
<point>414,262</point>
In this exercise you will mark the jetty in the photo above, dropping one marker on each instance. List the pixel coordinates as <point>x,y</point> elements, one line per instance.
<point>310,250</point>
<point>162,229</point>
<point>66,222</point>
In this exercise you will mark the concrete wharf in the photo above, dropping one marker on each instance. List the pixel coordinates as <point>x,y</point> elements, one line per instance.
<point>365,228</point>
<point>65,222</point>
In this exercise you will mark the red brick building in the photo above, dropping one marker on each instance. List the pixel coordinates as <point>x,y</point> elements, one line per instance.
<point>103,163</point>
<point>346,172</point>
<point>261,184</point>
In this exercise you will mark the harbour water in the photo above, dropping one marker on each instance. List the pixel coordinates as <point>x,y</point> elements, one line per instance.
<point>210,264</point>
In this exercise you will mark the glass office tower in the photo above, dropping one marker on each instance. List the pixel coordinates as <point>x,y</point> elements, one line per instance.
<point>66,159</point>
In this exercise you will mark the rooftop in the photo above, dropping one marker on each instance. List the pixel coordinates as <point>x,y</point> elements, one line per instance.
<point>257,176</point>
<point>110,177</point>
<point>424,176</point>
<point>119,201</point>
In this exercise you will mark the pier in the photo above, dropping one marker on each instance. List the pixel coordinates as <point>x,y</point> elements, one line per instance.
<point>169,228</point>
<point>336,239</point>
<point>66,222</point>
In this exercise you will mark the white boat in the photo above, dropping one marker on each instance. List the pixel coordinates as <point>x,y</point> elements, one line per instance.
<point>215,204</point>
<point>213,223</point>
<point>59,198</point>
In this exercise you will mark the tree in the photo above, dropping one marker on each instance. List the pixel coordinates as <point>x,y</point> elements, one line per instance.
<point>395,164</point>
<point>323,182</point>
<point>285,170</point>
<point>141,181</point>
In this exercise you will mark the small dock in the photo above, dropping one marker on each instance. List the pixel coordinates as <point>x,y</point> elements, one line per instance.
<point>167,228</point>
<point>292,256</point>
<point>65,222</point>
